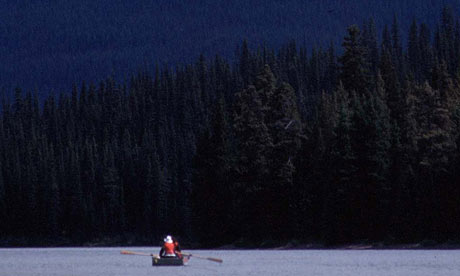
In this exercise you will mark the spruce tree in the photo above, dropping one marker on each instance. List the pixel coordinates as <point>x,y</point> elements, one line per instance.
<point>374,163</point>
<point>212,193</point>
<point>337,212</point>
<point>436,148</point>
<point>254,145</point>
<point>426,52</point>
<point>397,51</point>
<point>413,52</point>
<point>283,121</point>
<point>354,74</point>
<point>369,41</point>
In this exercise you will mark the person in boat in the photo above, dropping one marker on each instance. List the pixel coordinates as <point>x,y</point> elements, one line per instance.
<point>168,250</point>
<point>177,249</point>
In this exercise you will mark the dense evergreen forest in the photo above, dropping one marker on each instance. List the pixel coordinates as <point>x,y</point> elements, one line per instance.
<point>282,144</point>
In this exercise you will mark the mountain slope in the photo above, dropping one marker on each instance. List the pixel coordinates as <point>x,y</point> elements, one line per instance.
<point>49,45</point>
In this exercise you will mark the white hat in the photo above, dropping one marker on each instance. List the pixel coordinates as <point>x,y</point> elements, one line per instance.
<point>168,239</point>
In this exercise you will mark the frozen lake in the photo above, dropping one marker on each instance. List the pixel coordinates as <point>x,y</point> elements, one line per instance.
<point>109,261</point>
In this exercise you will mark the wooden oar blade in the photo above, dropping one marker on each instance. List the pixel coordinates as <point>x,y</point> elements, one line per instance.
<point>215,260</point>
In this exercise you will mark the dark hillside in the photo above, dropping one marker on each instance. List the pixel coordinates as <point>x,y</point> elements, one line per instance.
<point>48,45</point>
<point>352,144</point>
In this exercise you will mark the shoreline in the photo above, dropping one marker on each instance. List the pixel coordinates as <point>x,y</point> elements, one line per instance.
<point>296,245</point>
<point>290,245</point>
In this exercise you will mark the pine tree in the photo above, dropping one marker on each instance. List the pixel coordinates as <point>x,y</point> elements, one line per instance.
<point>436,148</point>
<point>76,220</point>
<point>312,169</point>
<point>369,41</point>
<point>212,194</point>
<point>371,142</point>
<point>52,206</point>
<point>254,146</point>
<point>386,40</point>
<point>283,121</point>
<point>148,204</point>
<point>245,64</point>
<point>332,70</point>
<point>446,47</point>
<point>392,86</point>
<point>161,204</point>
<point>413,52</point>
<point>338,195</point>
<point>426,53</point>
<point>113,207</point>
<point>354,75</point>
<point>397,51</point>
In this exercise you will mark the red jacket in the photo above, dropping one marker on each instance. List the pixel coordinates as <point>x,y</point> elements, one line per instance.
<point>169,248</point>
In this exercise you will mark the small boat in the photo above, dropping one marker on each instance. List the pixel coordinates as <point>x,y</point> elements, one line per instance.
<point>169,261</point>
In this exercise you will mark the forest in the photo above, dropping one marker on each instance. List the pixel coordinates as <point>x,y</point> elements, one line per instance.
<point>282,144</point>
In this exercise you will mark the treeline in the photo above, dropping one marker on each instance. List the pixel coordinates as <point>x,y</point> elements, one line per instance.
<point>280,145</point>
<point>357,147</point>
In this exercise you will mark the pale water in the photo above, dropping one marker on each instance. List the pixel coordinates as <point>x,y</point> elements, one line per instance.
<point>109,261</point>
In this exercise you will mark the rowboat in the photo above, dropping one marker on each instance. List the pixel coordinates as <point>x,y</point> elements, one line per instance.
<point>156,261</point>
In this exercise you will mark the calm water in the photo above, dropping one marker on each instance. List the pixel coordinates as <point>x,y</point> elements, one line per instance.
<point>109,261</point>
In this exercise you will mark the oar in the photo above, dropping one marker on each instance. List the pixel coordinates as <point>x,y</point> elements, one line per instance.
<point>201,257</point>
<point>126,252</point>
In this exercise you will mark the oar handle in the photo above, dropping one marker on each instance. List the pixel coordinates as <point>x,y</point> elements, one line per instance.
<point>126,252</point>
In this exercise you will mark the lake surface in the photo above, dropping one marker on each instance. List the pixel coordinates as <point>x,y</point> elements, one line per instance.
<point>109,261</point>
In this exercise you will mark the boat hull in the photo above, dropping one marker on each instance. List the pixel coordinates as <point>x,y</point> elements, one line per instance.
<point>168,261</point>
